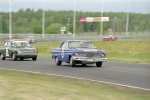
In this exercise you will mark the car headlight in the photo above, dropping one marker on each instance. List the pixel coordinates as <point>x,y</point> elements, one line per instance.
<point>76,54</point>
<point>103,55</point>
<point>18,51</point>
<point>36,51</point>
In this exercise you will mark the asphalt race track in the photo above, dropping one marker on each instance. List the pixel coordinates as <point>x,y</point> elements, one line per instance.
<point>124,74</point>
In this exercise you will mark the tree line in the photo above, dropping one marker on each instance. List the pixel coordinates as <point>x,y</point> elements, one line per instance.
<point>30,21</point>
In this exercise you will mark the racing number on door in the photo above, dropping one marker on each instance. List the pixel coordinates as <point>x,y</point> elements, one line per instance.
<point>7,54</point>
<point>62,53</point>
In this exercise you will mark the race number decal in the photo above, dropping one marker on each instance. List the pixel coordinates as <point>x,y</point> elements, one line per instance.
<point>62,53</point>
<point>7,54</point>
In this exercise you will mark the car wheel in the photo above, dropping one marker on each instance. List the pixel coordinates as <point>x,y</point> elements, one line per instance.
<point>2,56</point>
<point>34,59</point>
<point>72,63</point>
<point>99,64</point>
<point>21,59</point>
<point>57,61</point>
<point>14,57</point>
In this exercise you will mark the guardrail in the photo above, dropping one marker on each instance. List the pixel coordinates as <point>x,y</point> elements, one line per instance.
<point>52,37</point>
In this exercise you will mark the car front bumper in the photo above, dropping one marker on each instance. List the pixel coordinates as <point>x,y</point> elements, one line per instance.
<point>26,55</point>
<point>89,60</point>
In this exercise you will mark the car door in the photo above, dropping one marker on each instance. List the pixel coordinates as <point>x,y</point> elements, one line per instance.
<point>5,48</point>
<point>8,49</point>
<point>63,49</point>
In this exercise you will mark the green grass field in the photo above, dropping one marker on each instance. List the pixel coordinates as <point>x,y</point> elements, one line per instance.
<point>15,85</point>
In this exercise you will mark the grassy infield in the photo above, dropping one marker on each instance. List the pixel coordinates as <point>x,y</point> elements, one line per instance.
<point>28,86</point>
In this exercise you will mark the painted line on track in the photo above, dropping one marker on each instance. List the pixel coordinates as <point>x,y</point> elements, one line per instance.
<point>82,79</point>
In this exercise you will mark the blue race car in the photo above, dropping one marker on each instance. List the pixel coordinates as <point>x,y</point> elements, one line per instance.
<point>78,52</point>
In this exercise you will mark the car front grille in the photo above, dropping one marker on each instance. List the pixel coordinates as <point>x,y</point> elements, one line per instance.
<point>91,54</point>
<point>28,53</point>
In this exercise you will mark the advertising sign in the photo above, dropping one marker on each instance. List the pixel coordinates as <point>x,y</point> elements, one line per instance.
<point>82,19</point>
<point>97,19</point>
<point>105,19</point>
<point>94,19</point>
<point>89,19</point>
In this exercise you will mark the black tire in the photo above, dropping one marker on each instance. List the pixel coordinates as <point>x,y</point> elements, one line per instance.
<point>72,63</point>
<point>21,59</point>
<point>2,56</point>
<point>57,61</point>
<point>34,59</point>
<point>99,64</point>
<point>14,57</point>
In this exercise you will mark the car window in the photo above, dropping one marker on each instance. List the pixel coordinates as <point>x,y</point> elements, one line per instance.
<point>80,44</point>
<point>74,44</point>
<point>9,44</point>
<point>64,45</point>
<point>21,44</point>
<point>5,44</point>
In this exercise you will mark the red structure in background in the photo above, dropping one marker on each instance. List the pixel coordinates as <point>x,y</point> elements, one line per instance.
<point>82,19</point>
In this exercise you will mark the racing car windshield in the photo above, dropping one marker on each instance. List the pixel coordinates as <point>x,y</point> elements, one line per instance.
<point>21,44</point>
<point>80,44</point>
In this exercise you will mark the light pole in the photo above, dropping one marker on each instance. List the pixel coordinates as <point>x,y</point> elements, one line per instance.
<point>10,19</point>
<point>115,25</point>
<point>127,20</point>
<point>74,19</point>
<point>101,22</point>
<point>43,20</point>
<point>1,24</point>
<point>68,25</point>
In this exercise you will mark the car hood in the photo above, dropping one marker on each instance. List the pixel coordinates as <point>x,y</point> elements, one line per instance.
<point>26,49</point>
<point>89,50</point>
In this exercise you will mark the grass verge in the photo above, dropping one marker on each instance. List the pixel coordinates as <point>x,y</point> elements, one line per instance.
<point>15,85</point>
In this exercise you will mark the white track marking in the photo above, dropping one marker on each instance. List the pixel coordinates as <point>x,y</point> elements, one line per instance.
<point>82,79</point>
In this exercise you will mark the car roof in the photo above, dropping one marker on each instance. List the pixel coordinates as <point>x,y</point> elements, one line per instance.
<point>17,40</point>
<point>76,40</point>
<point>30,36</point>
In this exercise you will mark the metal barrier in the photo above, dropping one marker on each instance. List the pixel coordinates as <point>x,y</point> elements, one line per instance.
<point>53,37</point>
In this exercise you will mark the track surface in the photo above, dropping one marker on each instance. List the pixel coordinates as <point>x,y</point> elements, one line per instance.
<point>130,74</point>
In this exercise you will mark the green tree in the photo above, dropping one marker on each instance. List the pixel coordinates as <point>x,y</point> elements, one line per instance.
<point>21,30</point>
<point>54,28</point>
<point>19,22</point>
<point>37,29</point>
<point>4,27</point>
<point>34,22</point>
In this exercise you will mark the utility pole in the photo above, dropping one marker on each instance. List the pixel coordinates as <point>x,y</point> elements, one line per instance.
<point>115,26</point>
<point>127,20</point>
<point>10,19</point>
<point>43,21</point>
<point>101,22</point>
<point>74,19</point>
<point>1,23</point>
<point>68,26</point>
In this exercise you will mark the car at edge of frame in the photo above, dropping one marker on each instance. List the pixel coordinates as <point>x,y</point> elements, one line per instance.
<point>17,48</point>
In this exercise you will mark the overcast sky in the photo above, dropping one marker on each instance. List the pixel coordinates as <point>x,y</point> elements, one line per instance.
<point>136,6</point>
